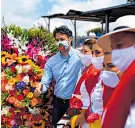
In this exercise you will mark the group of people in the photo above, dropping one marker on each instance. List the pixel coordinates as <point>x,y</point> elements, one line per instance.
<point>101,76</point>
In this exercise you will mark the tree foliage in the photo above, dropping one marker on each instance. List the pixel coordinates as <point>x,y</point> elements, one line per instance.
<point>95,30</point>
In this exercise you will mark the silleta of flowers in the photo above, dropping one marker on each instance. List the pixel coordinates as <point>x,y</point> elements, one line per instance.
<point>19,78</point>
<point>24,54</point>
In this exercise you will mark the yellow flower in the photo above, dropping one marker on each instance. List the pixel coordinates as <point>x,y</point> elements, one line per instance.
<point>30,95</point>
<point>12,81</point>
<point>3,60</point>
<point>23,59</point>
<point>4,53</point>
<point>29,62</point>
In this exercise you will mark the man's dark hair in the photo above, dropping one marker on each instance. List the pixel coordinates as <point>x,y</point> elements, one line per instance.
<point>64,30</point>
<point>90,42</point>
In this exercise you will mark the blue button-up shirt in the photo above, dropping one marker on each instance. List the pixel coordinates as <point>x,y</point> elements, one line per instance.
<point>65,72</point>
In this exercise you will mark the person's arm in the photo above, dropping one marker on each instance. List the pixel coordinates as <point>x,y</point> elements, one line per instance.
<point>45,81</point>
<point>46,78</point>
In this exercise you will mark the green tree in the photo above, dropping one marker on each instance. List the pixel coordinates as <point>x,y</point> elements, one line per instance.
<point>39,34</point>
<point>95,30</point>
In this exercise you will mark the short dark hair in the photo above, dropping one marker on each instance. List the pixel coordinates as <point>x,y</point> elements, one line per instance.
<point>90,42</point>
<point>64,30</point>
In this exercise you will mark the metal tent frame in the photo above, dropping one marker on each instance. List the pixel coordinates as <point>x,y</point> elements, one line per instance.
<point>104,15</point>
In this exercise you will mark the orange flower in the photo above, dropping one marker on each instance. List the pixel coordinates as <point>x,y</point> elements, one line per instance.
<point>34,101</point>
<point>14,56</point>
<point>25,91</point>
<point>17,104</point>
<point>11,100</point>
<point>3,84</point>
<point>11,81</point>
<point>19,77</point>
<point>35,84</point>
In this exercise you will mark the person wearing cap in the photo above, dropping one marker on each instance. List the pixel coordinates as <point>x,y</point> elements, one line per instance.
<point>120,110</point>
<point>86,83</point>
<point>64,68</point>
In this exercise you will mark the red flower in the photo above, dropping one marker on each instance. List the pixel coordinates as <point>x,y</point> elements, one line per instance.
<point>30,72</point>
<point>37,117</point>
<point>12,110</point>
<point>92,117</point>
<point>13,69</point>
<point>36,77</point>
<point>20,97</point>
<point>13,92</point>
<point>75,103</point>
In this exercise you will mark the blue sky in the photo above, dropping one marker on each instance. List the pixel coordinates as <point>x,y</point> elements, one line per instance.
<point>25,13</point>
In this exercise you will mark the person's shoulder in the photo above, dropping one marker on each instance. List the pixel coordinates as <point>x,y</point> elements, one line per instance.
<point>76,51</point>
<point>53,58</point>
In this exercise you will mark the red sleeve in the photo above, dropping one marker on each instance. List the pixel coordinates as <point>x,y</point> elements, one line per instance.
<point>78,86</point>
<point>91,79</point>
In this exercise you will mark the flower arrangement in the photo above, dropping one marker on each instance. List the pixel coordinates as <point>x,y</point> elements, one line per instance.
<point>20,76</point>
<point>24,54</point>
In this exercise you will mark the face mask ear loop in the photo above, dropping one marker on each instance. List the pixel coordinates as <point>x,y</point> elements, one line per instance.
<point>118,72</point>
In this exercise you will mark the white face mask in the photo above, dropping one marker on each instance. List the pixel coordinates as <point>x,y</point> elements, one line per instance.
<point>98,62</point>
<point>122,58</point>
<point>110,79</point>
<point>62,45</point>
<point>86,59</point>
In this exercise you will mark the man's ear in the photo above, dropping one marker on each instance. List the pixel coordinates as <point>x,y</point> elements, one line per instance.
<point>70,39</point>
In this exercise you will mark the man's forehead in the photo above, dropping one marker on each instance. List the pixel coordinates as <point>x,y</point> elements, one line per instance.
<point>61,35</point>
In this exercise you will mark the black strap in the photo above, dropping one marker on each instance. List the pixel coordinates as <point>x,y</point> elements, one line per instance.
<point>120,27</point>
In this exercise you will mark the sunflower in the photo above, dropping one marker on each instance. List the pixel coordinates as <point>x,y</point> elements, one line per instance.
<point>23,59</point>
<point>3,60</point>
<point>4,53</point>
<point>30,62</point>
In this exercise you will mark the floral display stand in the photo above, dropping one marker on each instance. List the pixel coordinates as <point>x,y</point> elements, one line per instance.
<point>22,66</point>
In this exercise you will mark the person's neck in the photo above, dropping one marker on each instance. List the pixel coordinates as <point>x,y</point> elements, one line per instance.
<point>66,52</point>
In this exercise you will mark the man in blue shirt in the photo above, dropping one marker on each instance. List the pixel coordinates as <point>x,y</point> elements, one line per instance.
<point>64,68</point>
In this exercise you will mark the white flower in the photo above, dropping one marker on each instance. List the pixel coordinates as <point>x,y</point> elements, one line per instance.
<point>10,36</point>
<point>26,79</point>
<point>5,110</point>
<point>20,51</point>
<point>8,87</point>
<point>42,53</point>
<point>26,68</point>
<point>23,47</point>
<point>34,110</point>
<point>19,68</point>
